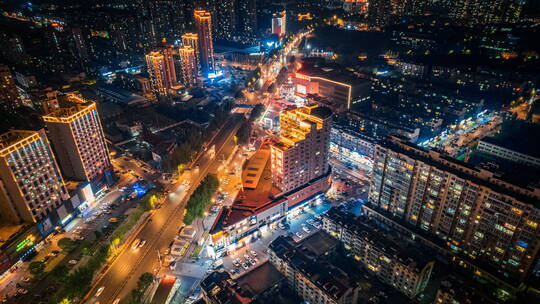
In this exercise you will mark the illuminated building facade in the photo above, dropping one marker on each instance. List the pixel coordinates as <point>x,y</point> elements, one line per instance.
<point>156,66</point>
<point>192,40</point>
<point>398,263</point>
<point>161,70</point>
<point>341,90</point>
<point>247,16</point>
<point>31,184</point>
<point>487,11</point>
<point>279,23</point>
<point>203,23</point>
<point>170,70</point>
<point>78,141</point>
<point>480,214</point>
<point>189,65</point>
<point>301,155</point>
<point>10,98</point>
<point>225,19</point>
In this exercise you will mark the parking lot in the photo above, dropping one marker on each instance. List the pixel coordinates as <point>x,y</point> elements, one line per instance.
<point>300,223</point>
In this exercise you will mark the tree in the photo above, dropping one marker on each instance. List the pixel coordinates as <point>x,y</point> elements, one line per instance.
<point>66,244</point>
<point>256,112</point>
<point>243,133</point>
<point>145,280</point>
<point>200,199</point>
<point>36,268</point>
<point>60,273</point>
<point>142,284</point>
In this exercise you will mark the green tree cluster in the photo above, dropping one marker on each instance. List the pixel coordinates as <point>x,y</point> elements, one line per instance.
<point>142,284</point>
<point>256,112</point>
<point>66,244</point>
<point>201,198</point>
<point>243,133</point>
<point>77,283</point>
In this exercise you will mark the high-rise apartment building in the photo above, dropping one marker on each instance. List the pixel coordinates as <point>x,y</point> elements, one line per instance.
<point>31,186</point>
<point>279,23</point>
<point>397,262</point>
<point>485,215</point>
<point>170,70</point>
<point>78,141</point>
<point>189,65</point>
<point>203,22</point>
<point>487,11</point>
<point>301,155</point>
<point>155,62</point>
<point>192,40</point>
<point>162,20</point>
<point>225,19</point>
<point>247,17</point>
<point>161,69</point>
<point>10,99</point>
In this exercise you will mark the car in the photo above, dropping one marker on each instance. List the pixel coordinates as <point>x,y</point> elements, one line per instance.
<point>280,225</point>
<point>235,263</point>
<point>116,301</point>
<point>135,244</point>
<point>252,261</point>
<point>298,234</point>
<point>306,229</point>
<point>142,243</point>
<point>100,291</point>
<point>245,266</point>
<point>253,253</point>
<point>246,256</point>
<point>73,262</point>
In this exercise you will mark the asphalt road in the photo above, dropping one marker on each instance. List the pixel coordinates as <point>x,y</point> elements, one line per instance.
<point>158,233</point>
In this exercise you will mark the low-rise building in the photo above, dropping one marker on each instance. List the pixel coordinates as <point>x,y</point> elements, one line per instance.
<point>314,282</point>
<point>401,265</point>
<point>320,272</point>
<point>331,82</point>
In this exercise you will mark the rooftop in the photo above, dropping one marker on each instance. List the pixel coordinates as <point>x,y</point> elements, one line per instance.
<point>527,194</point>
<point>332,271</point>
<point>329,72</point>
<point>69,114</point>
<point>250,201</point>
<point>15,139</point>
<point>260,279</point>
<point>518,136</point>
<point>406,252</point>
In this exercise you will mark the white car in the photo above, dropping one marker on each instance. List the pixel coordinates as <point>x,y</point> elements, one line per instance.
<point>298,234</point>
<point>245,266</point>
<point>116,301</point>
<point>135,244</point>
<point>306,229</point>
<point>73,262</point>
<point>100,291</point>
<point>253,253</point>
<point>142,243</point>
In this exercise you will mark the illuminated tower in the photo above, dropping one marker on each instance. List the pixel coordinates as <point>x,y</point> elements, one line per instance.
<point>10,98</point>
<point>170,71</point>
<point>31,184</point>
<point>203,22</point>
<point>189,65</point>
<point>78,140</point>
<point>279,23</point>
<point>192,40</point>
<point>155,61</point>
<point>301,155</point>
